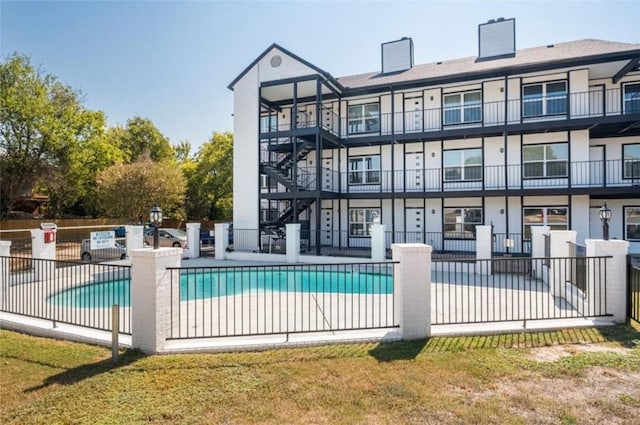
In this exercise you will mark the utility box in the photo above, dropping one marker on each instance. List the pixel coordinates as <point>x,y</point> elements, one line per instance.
<point>50,230</point>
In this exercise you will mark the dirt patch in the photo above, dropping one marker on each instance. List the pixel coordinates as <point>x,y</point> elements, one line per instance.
<point>555,352</point>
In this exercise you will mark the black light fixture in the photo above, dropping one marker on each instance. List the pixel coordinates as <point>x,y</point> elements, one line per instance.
<point>605,216</point>
<point>155,217</point>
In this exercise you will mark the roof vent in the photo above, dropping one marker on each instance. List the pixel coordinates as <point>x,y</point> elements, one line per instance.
<point>397,55</point>
<point>550,46</point>
<point>497,39</point>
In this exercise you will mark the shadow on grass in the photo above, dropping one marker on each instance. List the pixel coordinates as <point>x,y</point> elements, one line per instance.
<point>80,373</point>
<point>628,336</point>
<point>405,350</point>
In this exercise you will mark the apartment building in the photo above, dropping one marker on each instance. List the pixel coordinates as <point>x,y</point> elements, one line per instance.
<point>511,138</point>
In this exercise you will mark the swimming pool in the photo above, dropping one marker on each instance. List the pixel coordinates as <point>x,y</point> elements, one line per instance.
<point>213,284</point>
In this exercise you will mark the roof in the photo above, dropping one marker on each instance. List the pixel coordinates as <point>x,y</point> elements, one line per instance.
<point>525,57</point>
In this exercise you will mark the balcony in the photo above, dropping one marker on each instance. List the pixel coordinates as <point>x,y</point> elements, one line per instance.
<point>563,107</point>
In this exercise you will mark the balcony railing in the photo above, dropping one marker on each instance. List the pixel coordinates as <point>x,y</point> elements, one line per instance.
<point>514,111</point>
<point>580,174</point>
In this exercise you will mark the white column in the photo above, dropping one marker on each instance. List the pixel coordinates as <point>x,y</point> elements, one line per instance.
<point>39,248</point>
<point>559,265</point>
<point>412,289</point>
<point>222,240</point>
<point>193,240</point>
<point>293,242</point>
<point>134,238</point>
<point>614,286</point>
<point>377,242</point>
<point>484,248</point>
<point>151,296</point>
<point>537,248</point>
<point>5,251</point>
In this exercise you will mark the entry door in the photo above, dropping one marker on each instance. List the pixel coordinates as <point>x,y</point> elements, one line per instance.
<point>596,165</point>
<point>415,225</point>
<point>414,169</point>
<point>326,233</point>
<point>595,224</point>
<point>596,100</point>
<point>327,174</point>
<point>413,114</point>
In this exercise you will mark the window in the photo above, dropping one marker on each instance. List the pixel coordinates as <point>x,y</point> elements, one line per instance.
<point>460,223</point>
<point>364,118</point>
<point>631,158</point>
<point>555,217</point>
<point>544,99</point>
<point>462,165</point>
<point>539,161</point>
<point>364,170</point>
<point>632,223</point>
<point>461,108</point>
<point>267,182</point>
<point>632,98</point>
<point>269,123</point>
<point>361,219</point>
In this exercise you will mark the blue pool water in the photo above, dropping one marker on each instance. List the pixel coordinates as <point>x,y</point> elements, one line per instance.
<point>220,284</point>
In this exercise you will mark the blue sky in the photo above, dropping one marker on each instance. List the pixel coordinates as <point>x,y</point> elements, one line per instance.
<point>172,61</point>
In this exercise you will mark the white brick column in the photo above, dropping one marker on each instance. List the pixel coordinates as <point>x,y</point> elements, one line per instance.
<point>614,287</point>
<point>150,296</point>
<point>40,249</point>
<point>378,242</point>
<point>537,248</point>
<point>559,266</point>
<point>222,240</point>
<point>484,248</point>
<point>412,289</point>
<point>5,251</point>
<point>193,240</point>
<point>293,242</point>
<point>134,238</point>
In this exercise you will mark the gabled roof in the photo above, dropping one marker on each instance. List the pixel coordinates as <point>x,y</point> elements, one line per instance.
<point>294,56</point>
<point>551,54</point>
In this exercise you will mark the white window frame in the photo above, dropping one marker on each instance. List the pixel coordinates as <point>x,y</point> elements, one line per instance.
<point>544,99</point>
<point>367,176</point>
<point>635,223</point>
<point>462,165</point>
<point>544,219</point>
<point>462,223</point>
<point>462,106</point>
<point>545,162</point>
<point>633,163</point>
<point>368,216</point>
<point>366,121</point>
<point>636,100</point>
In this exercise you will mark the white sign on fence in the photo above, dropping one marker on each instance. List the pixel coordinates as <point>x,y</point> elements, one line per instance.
<point>101,240</point>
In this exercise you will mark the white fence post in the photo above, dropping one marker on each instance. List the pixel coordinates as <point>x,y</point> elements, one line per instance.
<point>558,269</point>
<point>293,242</point>
<point>39,248</point>
<point>134,238</point>
<point>484,248</point>
<point>193,240</point>
<point>614,274</point>
<point>151,296</point>
<point>377,242</point>
<point>412,289</point>
<point>5,251</point>
<point>222,240</point>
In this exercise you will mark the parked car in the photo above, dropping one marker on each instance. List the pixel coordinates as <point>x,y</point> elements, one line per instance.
<point>167,237</point>
<point>208,237</point>
<point>119,252</point>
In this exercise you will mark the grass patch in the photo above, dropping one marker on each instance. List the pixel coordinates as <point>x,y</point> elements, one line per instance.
<point>484,380</point>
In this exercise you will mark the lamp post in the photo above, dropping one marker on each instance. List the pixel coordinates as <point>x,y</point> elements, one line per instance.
<point>155,217</point>
<point>605,216</point>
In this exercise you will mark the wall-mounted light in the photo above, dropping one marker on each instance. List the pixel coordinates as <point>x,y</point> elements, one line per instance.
<point>431,98</point>
<point>433,211</point>
<point>433,154</point>
<point>501,150</point>
<point>501,210</point>
<point>501,89</point>
<point>605,216</point>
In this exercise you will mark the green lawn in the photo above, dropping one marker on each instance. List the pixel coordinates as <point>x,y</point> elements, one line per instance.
<point>565,377</point>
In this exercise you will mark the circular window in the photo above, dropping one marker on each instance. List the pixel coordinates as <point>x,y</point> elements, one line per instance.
<point>276,61</point>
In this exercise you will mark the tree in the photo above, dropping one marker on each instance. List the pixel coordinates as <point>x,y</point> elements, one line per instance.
<point>182,152</point>
<point>130,190</point>
<point>210,180</point>
<point>44,134</point>
<point>140,138</point>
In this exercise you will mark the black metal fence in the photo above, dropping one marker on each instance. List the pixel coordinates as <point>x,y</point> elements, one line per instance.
<point>66,292</point>
<point>281,299</point>
<point>516,289</point>
<point>633,288</point>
